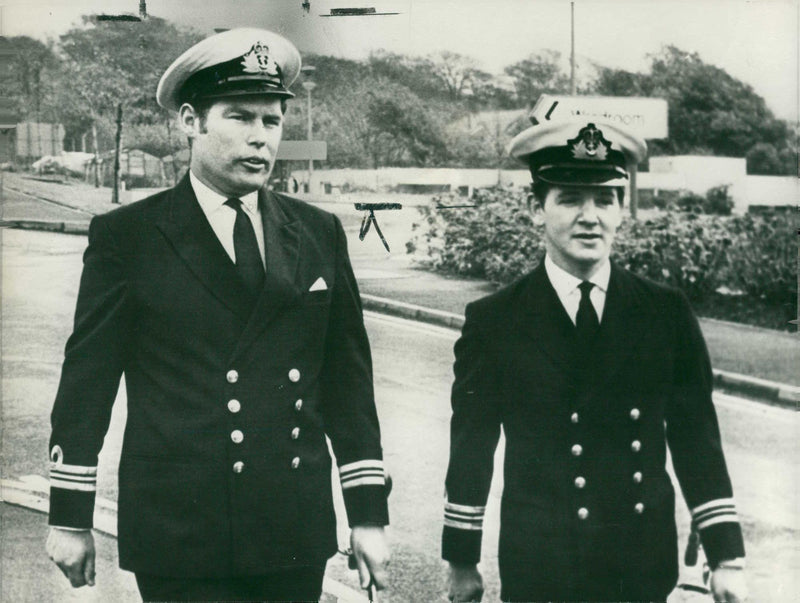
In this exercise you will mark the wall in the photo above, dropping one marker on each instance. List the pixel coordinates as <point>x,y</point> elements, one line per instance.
<point>384,179</point>
<point>695,173</point>
<point>36,140</point>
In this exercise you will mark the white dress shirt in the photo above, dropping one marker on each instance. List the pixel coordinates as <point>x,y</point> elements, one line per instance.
<point>221,217</point>
<point>566,286</point>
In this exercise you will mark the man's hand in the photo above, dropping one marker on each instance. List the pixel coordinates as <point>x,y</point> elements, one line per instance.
<point>465,583</point>
<point>372,555</point>
<point>728,585</point>
<point>73,552</point>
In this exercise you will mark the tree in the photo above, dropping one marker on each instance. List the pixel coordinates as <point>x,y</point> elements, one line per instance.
<point>108,63</point>
<point>29,80</point>
<point>710,112</point>
<point>536,75</point>
<point>402,128</point>
<point>454,71</point>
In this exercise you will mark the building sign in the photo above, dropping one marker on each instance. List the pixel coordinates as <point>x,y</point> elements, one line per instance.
<point>646,117</point>
<point>302,150</point>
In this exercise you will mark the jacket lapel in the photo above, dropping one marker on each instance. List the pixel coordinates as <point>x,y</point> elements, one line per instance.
<point>185,225</point>
<point>543,318</point>
<point>282,253</point>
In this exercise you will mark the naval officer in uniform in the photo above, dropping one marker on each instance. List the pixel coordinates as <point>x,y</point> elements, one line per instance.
<point>592,372</point>
<point>234,315</point>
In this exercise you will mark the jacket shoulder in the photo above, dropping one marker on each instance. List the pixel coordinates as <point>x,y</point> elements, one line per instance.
<point>499,303</point>
<point>135,210</point>
<point>644,284</point>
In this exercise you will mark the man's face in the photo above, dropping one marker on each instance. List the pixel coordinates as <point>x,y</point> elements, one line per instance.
<point>235,143</point>
<point>579,226</point>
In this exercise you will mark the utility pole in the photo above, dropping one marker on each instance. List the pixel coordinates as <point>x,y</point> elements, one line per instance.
<point>572,88</point>
<point>115,194</point>
<point>308,86</point>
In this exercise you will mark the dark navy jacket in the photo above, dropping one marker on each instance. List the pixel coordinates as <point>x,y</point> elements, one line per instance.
<point>587,498</point>
<point>225,468</point>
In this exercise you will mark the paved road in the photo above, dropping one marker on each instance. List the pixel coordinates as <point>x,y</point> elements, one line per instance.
<point>413,374</point>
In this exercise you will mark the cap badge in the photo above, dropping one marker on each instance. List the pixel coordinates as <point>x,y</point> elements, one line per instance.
<point>259,61</point>
<point>589,144</point>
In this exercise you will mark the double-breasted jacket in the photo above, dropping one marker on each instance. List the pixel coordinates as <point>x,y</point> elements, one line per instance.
<point>224,468</point>
<point>587,497</point>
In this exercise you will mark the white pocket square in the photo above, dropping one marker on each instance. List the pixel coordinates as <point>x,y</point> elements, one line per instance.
<point>319,285</point>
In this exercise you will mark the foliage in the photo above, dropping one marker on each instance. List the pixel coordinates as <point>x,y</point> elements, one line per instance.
<point>494,240</point>
<point>763,262</point>
<point>538,74</point>
<point>710,112</point>
<point>687,251</point>
<point>29,81</point>
<point>717,201</point>
<point>700,254</point>
<point>93,68</point>
<point>765,158</point>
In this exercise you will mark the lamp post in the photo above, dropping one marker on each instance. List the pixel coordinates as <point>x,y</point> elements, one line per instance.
<point>308,86</point>
<point>467,92</point>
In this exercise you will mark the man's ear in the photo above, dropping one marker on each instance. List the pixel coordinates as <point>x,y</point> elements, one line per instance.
<point>537,213</point>
<point>189,120</point>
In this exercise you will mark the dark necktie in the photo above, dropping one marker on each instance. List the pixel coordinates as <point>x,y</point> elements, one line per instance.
<point>245,246</point>
<point>586,322</point>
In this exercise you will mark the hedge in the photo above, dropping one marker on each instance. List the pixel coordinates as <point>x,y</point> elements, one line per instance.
<point>751,257</point>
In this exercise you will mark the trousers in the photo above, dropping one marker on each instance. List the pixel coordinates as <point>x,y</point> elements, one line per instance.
<point>295,584</point>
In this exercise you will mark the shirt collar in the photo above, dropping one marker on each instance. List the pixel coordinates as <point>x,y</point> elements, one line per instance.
<point>211,200</point>
<point>565,283</point>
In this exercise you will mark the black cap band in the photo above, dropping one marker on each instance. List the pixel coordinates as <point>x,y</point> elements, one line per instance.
<point>227,79</point>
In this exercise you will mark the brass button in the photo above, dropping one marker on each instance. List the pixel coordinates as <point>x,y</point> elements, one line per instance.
<point>294,375</point>
<point>575,417</point>
<point>635,414</point>
<point>238,467</point>
<point>583,513</point>
<point>298,405</point>
<point>577,450</point>
<point>295,433</point>
<point>237,436</point>
<point>639,508</point>
<point>232,376</point>
<point>295,462</point>
<point>234,406</point>
<point>637,477</point>
<point>636,445</point>
<point>580,482</point>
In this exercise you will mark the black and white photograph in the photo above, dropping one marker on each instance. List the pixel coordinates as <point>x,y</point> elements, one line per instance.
<point>399,301</point>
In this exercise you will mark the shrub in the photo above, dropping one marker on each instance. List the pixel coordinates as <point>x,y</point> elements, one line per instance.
<point>763,261</point>
<point>717,202</point>
<point>687,251</point>
<point>495,239</point>
<point>690,202</point>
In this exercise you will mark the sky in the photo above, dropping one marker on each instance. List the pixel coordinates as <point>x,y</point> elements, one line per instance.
<point>755,41</point>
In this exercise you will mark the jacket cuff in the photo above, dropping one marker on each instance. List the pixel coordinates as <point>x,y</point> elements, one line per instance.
<point>722,541</point>
<point>461,546</point>
<point>71,508</point>
<point>718,524</point>
<point>364,489</point>
<point>366,505</point>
